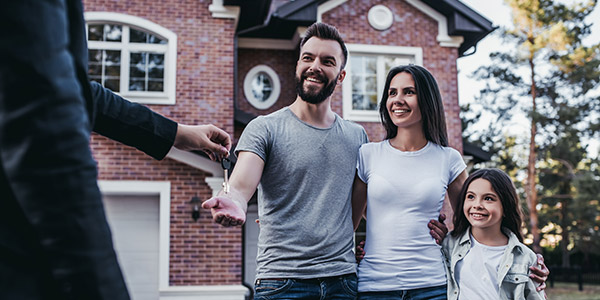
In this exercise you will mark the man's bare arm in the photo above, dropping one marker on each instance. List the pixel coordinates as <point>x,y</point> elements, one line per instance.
<point>229,209</point>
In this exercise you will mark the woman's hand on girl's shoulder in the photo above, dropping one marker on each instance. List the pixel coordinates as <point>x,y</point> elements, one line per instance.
<point>539,273</point>
<point>437,229</point>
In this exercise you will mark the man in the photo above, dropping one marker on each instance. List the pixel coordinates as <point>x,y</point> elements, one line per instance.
<point>304,157</point>
<point>55,242</point>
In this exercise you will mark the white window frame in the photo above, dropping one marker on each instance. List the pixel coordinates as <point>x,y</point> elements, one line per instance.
<point>275,92</point>
<point>167,96</point>
<point>415,54</point>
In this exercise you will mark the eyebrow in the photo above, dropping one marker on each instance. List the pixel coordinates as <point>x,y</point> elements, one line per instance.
<point>485,194</point>
<point>404,89</point>
<point>324,57</point>
<point>331,57</point>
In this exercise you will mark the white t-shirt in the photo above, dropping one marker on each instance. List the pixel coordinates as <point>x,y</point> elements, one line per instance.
<point>478,270</point>
<point>405,190</point>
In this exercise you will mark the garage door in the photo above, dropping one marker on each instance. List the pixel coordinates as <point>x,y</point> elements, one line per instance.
<point>251,230</point>
<point>134,222</point>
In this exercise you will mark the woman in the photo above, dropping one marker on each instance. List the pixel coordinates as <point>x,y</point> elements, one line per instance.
<point>406,178</point>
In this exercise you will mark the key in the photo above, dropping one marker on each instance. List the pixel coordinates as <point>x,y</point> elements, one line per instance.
<point>226,164</point>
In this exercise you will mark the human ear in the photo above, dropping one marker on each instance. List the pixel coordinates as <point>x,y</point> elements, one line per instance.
<point>341,77</point>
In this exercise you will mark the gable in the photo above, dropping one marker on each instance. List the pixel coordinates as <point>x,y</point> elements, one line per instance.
<point>457,25</point>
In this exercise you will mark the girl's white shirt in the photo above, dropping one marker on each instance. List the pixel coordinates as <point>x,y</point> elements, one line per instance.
<point>512,273</point>
<point>480,268</point>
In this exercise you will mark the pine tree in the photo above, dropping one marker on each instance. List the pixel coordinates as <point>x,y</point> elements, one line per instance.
<point>544,47</point>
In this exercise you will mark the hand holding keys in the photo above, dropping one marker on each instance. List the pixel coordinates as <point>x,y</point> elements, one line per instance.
<point>227,208</point>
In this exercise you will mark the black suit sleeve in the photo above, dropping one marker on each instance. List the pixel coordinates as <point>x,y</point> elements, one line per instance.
<point>132,124</point>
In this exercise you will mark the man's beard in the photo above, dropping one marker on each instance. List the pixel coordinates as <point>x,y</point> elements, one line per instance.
<point>311,96</point>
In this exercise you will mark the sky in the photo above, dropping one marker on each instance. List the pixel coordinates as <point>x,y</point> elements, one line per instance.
<point>499,14</point>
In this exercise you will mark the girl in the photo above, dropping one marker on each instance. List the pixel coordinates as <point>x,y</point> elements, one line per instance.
<point>485,255</point>
<point>405,179</point>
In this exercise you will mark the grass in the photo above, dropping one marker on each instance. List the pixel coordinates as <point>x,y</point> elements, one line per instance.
<point>570,291</point>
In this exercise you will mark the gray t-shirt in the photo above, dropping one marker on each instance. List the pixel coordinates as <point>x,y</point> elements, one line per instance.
<point>304,195</point>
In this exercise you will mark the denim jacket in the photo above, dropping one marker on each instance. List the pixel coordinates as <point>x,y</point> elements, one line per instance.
<point>512,272</point>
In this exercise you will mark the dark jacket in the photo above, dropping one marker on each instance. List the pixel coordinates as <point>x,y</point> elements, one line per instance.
<point>55,242</point>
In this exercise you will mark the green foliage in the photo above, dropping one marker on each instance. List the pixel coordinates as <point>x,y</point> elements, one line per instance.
<point>547,38</point>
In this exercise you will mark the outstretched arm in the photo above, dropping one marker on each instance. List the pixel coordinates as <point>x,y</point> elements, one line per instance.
<point>138,126</point>
<point>229,209</point>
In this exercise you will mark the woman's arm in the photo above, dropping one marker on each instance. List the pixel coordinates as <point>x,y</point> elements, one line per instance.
<point>455,187</point>
<point>359,200</point>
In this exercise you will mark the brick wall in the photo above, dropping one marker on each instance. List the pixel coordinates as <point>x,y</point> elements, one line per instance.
<point>201,253</point>
<point>283,62</point>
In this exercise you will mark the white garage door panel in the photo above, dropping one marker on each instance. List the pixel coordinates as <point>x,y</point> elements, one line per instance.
<point>251,230</point>
<point>134,222</point>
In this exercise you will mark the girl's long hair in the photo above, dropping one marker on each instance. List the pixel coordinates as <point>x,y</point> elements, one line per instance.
<point>430,104</point>
<point>506,191</point>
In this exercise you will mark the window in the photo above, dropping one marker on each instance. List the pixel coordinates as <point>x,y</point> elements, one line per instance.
<point>380,17</point>
<point>367,69</point>
<point>132,56</point>
<point>262,87</point>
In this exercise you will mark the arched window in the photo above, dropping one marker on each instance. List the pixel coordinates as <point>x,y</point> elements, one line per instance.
<point>132,56</point>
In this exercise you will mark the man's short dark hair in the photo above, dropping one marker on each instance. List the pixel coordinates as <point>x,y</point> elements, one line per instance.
<point>326,32</point>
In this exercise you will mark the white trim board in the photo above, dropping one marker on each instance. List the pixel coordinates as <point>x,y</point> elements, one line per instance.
<point>195,161</point>
<point>443,38</point>
<point>207,292</point>
<point>220,11</point>
<point>327,6</point>
<point>200,163</point>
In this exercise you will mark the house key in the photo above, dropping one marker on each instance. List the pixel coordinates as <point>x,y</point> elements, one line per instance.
<point>226,164</point>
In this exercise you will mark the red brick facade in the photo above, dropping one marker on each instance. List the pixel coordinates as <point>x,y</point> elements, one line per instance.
<point>283,62</point>
<point>201,253</point>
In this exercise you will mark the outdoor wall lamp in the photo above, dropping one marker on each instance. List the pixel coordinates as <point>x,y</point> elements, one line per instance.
<point>195,211</point>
